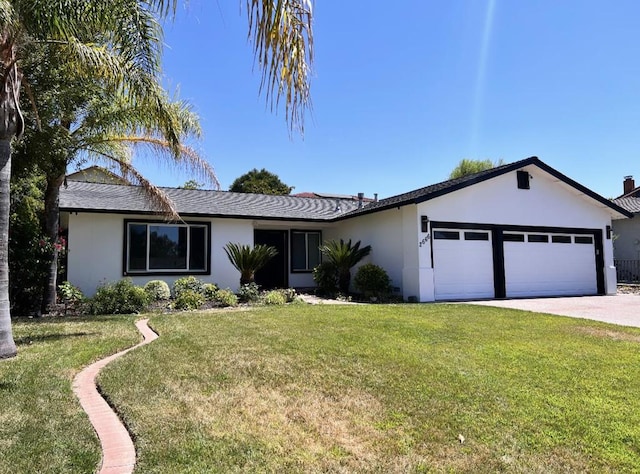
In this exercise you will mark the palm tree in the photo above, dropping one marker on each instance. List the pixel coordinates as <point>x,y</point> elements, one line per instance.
<point>343,256</point>
<point>249,260</point>
<point>127,59</point>
<point>79,120</point>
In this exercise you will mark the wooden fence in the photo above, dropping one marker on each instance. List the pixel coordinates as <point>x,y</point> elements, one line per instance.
<point>627,271</point>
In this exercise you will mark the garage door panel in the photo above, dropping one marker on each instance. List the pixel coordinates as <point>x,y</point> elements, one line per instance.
<point>550,268</point>
<point>463,266</point>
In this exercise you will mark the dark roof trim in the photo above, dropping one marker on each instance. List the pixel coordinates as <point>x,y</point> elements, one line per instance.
<point>582,188</point>
<point>480,177</point>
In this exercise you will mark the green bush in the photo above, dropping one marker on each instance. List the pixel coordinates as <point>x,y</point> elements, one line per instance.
<point>289,294</point>
<point>121,297</point>
<point>249,293</point>
<point>274,297</point>
<point>157,290</point>
<point>186,283</point>
<point>209,291</point>
<point>69,294</point>
<point>326,277</point>
<point>226,298</point>
<point>188,300</point>
<point>372,281</point>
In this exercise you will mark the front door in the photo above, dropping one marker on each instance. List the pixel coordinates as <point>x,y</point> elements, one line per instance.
<point>274,273</point>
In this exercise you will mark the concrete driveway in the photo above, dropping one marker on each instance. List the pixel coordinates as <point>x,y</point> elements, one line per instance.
<point>621,309</point>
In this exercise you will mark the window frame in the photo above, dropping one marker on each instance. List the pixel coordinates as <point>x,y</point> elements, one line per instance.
<point>167,271</point>
<point>306,233</point>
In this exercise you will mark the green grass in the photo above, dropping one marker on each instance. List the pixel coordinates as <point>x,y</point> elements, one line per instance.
<point>381,389</point>
<point>42,427</point>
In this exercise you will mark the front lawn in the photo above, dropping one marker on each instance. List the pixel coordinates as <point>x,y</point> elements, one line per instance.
<point>42,426</point>
<point>381,389</point>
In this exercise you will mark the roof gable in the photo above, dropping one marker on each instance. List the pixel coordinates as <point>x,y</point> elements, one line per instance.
<point>445,187</point>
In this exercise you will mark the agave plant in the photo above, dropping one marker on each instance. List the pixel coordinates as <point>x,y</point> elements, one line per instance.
<point>343,256</point>
<point>248,260</point>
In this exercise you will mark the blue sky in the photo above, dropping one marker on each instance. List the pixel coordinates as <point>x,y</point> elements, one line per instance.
<point>403,91</point>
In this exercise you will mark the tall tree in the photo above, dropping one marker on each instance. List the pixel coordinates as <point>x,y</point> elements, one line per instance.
<point>127,58</point>
<point>260,182</point>
<point>467,167</point>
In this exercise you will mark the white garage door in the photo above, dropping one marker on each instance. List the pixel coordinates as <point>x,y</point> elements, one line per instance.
<point>463,264</point>
<point>540,264</point>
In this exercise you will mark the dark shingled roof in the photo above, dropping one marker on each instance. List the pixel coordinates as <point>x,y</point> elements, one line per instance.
<point>94,197</point>
<point>631,204</point>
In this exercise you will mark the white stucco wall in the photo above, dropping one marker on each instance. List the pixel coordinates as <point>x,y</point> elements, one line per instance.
<point>384,232</point>
<point>549,203</point>
<point>96,249</point>
<point>95,253</point>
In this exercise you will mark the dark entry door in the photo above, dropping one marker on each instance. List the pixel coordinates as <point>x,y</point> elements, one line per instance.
<point>273,274</point>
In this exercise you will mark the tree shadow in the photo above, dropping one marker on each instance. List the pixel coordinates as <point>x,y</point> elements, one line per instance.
<point>26,340</point>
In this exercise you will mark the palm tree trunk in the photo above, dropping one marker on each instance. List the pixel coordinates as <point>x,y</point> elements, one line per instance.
<point>7,345</point>
<point>51,227</point>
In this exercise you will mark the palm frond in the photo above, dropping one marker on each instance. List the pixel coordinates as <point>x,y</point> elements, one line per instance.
<point>282,35</point>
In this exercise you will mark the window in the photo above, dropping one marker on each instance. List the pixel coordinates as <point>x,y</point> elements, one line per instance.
<point>476,236</point>
<point>305,250</point>
<point>514,237</point>
<point>561,239</point>
<point>583,240</point>
<point>538,238</point>
<point>166,248</point>
<point>446,235</point>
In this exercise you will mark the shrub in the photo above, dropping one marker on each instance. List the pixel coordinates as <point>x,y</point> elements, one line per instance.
<point>189,300</point>
<point>249,293</point>
<point>157,290</point>
<point>249,260</point>
<point>186,283</point>
<point>121,297</point>
<point>289,294</point>
<point>274,297</point>
<point>372,281</point>
<point>226,298</point>
<point>326,277</point>
<point>69,294</point>
<point>209,291</point>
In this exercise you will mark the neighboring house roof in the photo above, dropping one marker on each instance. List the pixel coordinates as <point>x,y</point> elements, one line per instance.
<point>635,192</point>
<point>96,174</point>
<point>96,197</point>
<point>331,196</point>
<point>435,190</point>
<point>631,204</point>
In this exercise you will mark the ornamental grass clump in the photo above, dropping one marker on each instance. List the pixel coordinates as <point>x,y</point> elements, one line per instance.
<point>274,297</point>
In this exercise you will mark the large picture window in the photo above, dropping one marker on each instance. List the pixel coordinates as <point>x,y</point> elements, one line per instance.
<point>305,250</point>
<point>152,247</point>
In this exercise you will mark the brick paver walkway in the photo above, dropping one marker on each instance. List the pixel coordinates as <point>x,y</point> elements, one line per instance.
<point>118,452</point>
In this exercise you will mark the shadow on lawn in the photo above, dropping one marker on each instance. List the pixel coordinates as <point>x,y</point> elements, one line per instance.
<point>26,340</point>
